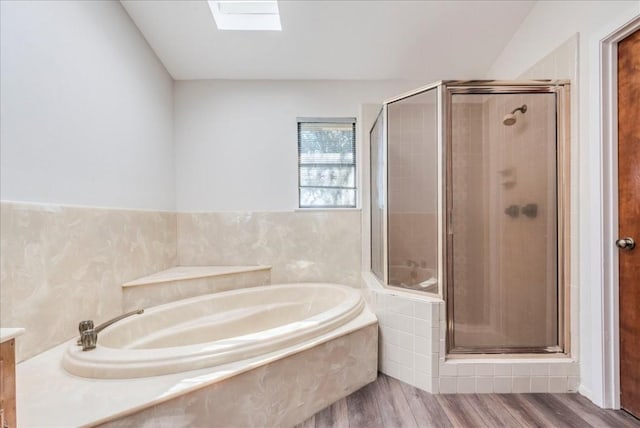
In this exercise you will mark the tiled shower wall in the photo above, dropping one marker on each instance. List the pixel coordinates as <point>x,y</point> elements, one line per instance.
<point>412,170</point>
<point>60,265</point>
<point>470,255</point>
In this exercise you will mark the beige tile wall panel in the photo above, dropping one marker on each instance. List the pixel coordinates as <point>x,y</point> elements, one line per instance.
<point>313,246</point>
<point>280,394</point>
<point>60,265</point>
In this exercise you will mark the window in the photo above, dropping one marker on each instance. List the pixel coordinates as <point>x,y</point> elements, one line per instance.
<point>327,163</point>
<point>246,14</point>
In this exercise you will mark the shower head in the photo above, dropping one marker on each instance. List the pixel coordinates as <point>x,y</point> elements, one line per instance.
<point>510,119</point>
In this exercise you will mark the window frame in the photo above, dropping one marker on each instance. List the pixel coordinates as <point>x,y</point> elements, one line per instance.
<point>330,120</point>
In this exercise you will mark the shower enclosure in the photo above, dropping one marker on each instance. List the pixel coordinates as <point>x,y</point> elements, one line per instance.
<point>468,202</point>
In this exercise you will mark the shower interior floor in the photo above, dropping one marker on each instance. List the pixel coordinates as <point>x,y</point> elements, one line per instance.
<point>487,336</point>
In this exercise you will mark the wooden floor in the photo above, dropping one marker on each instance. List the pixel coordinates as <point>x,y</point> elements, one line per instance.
<point>390,403</point>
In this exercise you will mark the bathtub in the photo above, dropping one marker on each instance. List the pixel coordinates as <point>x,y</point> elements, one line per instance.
<point>214,329</point>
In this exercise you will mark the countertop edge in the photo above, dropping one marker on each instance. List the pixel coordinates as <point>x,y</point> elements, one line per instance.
<point>7,334</point>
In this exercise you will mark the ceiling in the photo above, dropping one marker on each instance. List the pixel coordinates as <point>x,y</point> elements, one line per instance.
<point>323,39</point>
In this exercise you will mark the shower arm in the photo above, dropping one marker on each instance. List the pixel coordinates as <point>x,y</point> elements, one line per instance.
<point>522,109</point>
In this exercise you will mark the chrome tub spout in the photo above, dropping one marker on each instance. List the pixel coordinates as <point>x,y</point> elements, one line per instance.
<point>89,335</point>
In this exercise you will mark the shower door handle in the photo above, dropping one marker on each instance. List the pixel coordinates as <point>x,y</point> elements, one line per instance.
<point>626,243</point>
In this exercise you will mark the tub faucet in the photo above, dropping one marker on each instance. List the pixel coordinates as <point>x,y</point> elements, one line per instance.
<point>89,335</point>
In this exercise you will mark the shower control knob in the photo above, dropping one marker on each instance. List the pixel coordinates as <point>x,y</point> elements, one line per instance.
<point>512,211</point>
<point>626,243</point>
<point>530,210</point>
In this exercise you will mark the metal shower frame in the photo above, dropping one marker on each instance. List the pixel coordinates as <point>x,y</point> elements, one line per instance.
<point>445,89</point>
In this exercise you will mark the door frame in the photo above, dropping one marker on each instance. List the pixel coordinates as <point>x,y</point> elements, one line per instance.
<point>606,55</point>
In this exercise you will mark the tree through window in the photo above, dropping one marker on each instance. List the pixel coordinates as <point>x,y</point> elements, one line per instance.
<point>327,163</point>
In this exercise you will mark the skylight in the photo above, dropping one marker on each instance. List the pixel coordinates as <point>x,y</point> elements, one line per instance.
<point>246,15</point>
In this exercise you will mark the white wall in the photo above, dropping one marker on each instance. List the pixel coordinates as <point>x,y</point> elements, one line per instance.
<point>86,108</point>
<point>551,23</point>
<point>548,25</point>
<point>236,146</point>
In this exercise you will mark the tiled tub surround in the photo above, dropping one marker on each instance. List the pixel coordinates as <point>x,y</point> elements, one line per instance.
<point>81,256</point>
<point>281,388</point>
<point>412,349</point>
<point>280,394</point>
<point>300,246</point>
<point>61,264</point>
<point>182,282</point>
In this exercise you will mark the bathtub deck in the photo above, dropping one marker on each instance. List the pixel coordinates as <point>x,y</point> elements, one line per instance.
<point>48,396</point>
<point>183,282</point>
<point>390,403</point>
<point>182,273</point>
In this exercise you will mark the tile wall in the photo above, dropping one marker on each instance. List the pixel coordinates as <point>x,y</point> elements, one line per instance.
<point>299,246</point>
<point>409,338</point>
<point>60,265</point>
<point>281,393</point>
<point>412,349</point>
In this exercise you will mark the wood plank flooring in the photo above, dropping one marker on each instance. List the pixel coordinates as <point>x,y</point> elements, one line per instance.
<point>389,403</point>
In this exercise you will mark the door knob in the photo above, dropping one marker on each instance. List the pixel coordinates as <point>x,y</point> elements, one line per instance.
<point>626,243</point>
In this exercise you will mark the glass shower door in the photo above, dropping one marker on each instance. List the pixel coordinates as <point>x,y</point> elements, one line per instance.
<point>412,150</point>
<point>503,239</point>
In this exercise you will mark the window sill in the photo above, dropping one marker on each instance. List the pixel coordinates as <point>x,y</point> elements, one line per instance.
<point>326,209</point>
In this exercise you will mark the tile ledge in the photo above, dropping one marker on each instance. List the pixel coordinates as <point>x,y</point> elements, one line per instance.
<point>372,283</point>
<point>181,273</point>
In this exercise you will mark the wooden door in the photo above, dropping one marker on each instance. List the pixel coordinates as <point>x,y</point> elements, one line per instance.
<point>629,219</point>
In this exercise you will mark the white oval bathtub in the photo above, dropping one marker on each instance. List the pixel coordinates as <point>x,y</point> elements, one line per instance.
<point>214,329</point>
